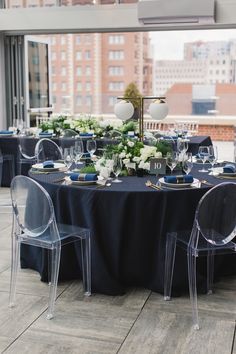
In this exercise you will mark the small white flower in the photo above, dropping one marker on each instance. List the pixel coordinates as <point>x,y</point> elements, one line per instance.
<point>158,154</point>
<point>130,143</point>
<point>122,155</point>
<point>128,155</point>
<point>125,161</point>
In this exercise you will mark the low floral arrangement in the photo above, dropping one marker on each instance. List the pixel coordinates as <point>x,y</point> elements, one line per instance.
<point>133,153</point>
<point>88,124</point>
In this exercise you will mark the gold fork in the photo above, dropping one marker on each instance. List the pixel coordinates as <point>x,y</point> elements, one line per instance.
<point>152,185</point>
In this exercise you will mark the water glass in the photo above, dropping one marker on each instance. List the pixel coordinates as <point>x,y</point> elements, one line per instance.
<point>172,159</point>
<point>203,153</point>
<point>213,156</point>
<point>187,163</point>
<point>91,146</point>
<point>117,167</point>
<point>68,157</point>
<point>78,151</point>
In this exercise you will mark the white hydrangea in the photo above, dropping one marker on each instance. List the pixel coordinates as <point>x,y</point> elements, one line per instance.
<point>158,154</point>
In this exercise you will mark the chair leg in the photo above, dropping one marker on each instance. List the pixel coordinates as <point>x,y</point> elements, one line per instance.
<point>86,264</point>
<point>14,270</point>
<point>55,263</point>
<point>193,287</point>
<point>210,271</point>
<point>169,265</point>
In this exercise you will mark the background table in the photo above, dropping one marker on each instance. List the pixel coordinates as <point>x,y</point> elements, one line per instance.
<point>9,145</point>
<point>128,222</point>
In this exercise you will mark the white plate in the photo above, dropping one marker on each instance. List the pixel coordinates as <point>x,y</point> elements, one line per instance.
<point>81,183</point>
<point>57,166</point>
<point>218,171</point>
<point>178,185</point>
<point>7,134</point>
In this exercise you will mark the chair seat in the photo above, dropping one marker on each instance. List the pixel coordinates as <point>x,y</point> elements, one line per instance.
<point>68,234</point>
<point>182,239</point>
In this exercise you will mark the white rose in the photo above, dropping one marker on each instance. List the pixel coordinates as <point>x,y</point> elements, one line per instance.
<point>125,161</point>
<point>158,154</point>
<point>122,155</point>
<point>130,143</point>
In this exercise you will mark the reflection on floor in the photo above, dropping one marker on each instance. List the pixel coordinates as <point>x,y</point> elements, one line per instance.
<point>137,323</point>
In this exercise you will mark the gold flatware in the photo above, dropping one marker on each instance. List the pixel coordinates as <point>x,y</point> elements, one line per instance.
<point>203,181</point>
<point>59,180</point>
<point>152,185</point>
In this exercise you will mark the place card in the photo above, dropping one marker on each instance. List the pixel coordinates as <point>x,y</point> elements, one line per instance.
<point>157,166</point>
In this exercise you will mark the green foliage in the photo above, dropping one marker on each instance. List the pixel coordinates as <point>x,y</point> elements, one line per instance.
<point>164,147</point>
<point>88,169</point>
<point>130,126</point>
<point>132,91</point>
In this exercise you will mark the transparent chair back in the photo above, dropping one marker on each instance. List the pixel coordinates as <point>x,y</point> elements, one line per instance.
<point>213,231</point>
<point>26,152</point>
<point>34,224</point>
<point>70,133</point>
<point>1,167</point>
<point>47,149</point>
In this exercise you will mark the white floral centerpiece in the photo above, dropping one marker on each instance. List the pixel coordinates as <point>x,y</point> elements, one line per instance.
<point>133,153</point>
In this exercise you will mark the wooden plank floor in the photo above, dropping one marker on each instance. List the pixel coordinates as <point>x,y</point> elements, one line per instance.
<point>138,322</point>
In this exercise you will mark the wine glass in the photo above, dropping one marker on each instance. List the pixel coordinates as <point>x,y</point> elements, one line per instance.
<point>117,167</point>
<point>91,147</point>
<point>78,152</point>
<point>172,160</point>
<point>213,156</point>
<point>68,157</point>
<point>203,153</point>
<point>182,146</point>
<point>187,163</point>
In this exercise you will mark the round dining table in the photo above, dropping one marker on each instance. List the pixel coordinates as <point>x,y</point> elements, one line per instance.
<point>129,223</point>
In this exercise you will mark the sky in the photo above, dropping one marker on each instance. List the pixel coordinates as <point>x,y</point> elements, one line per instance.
<point>170,44</point>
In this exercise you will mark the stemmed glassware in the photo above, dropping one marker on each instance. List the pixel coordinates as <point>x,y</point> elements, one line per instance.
<point>182,146</point>
<point>187,163</point>
<point>78,152</point>
<point>91,147</point>
<point>172,159</point>
<point>213,156</point>
<point>203,153</point>
<point>117,167</point>
<point>68,157</point>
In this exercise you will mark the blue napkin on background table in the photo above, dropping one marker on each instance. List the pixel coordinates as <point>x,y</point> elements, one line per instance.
<point>45,134</point>
<point>6,132</point>
<point>83,177</point>
<point>48,164</point>
<point>86,134</point>
<point>179,179</point>
<point>229,168</point>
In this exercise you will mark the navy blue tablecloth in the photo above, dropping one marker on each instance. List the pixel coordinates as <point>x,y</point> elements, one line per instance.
<point>128,223</point>
<point>9,145</point>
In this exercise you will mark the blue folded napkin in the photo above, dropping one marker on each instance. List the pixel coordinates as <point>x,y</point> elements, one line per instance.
<point>45,134</point>
<point>167,137</point>
<point>83,177</point>
<point>6,132</point>
<point>48,164</point>
<point>229,168</point>
<point>179,179</point>
<point>86,134</point>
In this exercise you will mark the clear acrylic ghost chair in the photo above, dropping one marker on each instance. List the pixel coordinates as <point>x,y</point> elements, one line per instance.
<point>213,230</point>
<point>34,224</point>
<point>47,149</point>
<point>70,133</point>
<point>1,167</point>
<point>26,153</point>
